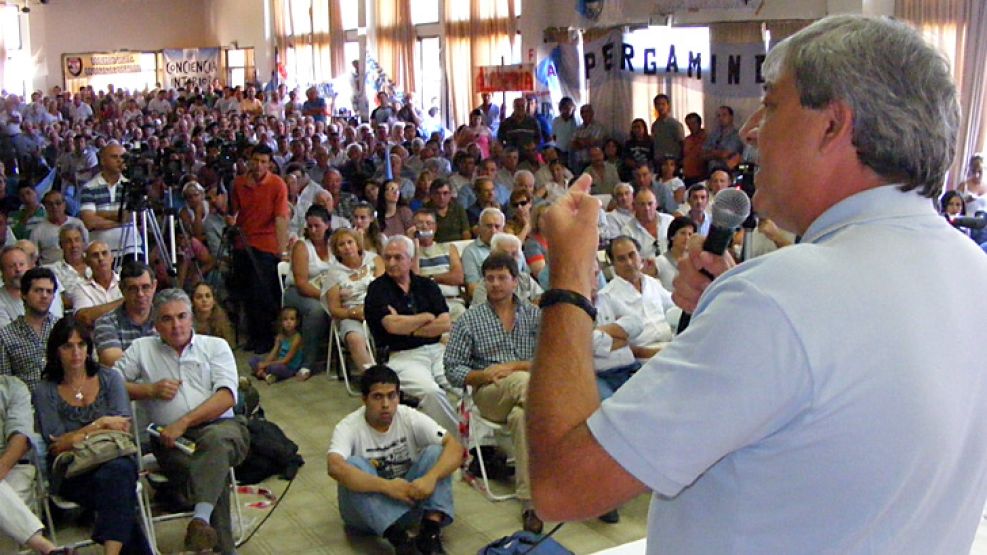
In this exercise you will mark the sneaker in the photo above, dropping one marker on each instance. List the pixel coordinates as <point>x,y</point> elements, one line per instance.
<point>303,374</point>
<point>430,543</point>
<point>401,541</point>
<point>531,521</point>
<point>199,536</point>
<point>271,378</point>
<point>613,517</point>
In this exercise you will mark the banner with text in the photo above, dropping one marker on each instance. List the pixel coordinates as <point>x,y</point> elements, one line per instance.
<point>731,70</point>
<point>85,66</point>
<point>190,67</point>
<point>517,77</point>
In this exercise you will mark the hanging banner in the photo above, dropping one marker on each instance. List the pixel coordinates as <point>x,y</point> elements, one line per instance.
<point>517,77</point>
<point>730,70</point>
<point>190,67</point>
<point>77,66</point>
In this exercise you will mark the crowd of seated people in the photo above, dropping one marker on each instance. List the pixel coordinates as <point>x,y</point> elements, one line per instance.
<point>384,227</point>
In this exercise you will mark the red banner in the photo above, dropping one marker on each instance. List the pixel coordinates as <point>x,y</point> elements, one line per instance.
<point>518,77</point>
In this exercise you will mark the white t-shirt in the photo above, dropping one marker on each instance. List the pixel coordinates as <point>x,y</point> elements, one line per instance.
<point>392,452</point>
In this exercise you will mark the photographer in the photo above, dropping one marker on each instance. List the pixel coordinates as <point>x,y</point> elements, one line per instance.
<point>260,214</point>
<point>101,200</point>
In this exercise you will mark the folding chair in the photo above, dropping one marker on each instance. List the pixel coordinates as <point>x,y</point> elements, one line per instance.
<point>284,270</point>
<point>474,429</point>
<point>337,342</point>
<point>153,478</point>
<point>45,499</point>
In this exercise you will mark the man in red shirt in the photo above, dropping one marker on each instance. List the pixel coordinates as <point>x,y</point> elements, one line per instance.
<point>261,212</point>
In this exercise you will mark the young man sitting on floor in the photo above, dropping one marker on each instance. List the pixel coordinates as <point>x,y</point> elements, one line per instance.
<point>393,465</point>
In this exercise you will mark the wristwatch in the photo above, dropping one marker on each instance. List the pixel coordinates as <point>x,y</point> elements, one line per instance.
<point>556,296</point>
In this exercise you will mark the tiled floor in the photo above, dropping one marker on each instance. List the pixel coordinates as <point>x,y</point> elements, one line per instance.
<point>307,521</point>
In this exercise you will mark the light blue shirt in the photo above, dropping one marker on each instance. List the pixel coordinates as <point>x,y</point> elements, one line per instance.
<point>205,366</point>
<point>473,256</point>
<point>826,397</point>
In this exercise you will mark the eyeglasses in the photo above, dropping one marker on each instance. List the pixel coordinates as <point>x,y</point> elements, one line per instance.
<point>519,204</point>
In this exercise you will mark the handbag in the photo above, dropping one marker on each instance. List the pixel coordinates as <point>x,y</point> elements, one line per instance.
<point>91,452</point>
<point>523,542</point>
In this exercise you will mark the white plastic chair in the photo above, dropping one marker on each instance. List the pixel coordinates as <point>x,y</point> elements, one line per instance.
<point>284,270</point>
<point>477,425</point>
<point>336,342</point>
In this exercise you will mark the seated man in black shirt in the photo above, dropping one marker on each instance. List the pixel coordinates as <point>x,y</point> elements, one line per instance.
<point>407,314</point>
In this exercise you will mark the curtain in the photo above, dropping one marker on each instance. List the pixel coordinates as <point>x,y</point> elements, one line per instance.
<point>337,39</point>
<point>396,42</point>
<point>477,33</point>
<point>956,28</point>
<point>309,37</point>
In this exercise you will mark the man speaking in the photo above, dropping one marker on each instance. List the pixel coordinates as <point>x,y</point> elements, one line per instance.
<point>826,397</point>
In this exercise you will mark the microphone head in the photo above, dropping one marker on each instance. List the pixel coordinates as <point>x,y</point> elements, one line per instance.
<point>730,208</point>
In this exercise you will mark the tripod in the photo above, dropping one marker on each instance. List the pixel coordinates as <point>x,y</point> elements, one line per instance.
<point>148,219</point>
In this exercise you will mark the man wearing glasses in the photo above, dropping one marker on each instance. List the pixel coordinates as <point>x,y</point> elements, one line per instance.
<point>45,234</point>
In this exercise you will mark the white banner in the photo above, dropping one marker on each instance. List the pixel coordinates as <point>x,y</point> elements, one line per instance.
<point>729,70</point>
<point>190,67</point>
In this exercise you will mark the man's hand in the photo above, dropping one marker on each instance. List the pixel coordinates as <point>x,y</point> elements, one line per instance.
<point>423,487</point>
<point>166,389</point>
<point>495,373</point>
<point>570,228</point>
<point>171,432</point>
<point>691,281</point>
<point>401,490</point>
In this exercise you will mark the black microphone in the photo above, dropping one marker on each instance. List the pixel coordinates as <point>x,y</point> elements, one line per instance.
<point>730,208</point>
<point>971,222</point>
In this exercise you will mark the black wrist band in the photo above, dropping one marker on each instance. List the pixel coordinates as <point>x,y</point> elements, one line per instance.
<point>556,296</point>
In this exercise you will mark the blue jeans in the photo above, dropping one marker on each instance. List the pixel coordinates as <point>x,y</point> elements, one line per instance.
<point>376,512</point>
<point>610,380</point>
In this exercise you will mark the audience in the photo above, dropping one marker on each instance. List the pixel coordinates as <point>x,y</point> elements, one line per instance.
<point>263,183</point>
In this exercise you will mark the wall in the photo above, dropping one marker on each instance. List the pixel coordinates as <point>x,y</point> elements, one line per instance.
<point>246,22</point>
<point>64,26</point>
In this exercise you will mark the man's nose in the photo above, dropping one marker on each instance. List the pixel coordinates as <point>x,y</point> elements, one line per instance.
<point>750,128</point>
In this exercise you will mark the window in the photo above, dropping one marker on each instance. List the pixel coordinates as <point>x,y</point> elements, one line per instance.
<point>349,11</point>
<point>424,11</point>
<point>427,52</point>
<point>18,70</point>
<point>240,66</point>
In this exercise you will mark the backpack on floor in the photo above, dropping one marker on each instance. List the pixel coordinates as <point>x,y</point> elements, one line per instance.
<point>271,452</point>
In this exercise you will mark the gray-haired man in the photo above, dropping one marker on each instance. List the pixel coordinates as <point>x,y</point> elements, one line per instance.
<point>188,385</point>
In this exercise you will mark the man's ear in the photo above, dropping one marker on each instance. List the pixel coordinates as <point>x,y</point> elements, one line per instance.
<point>839,125</point>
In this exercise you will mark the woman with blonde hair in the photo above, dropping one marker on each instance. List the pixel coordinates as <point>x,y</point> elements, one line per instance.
<point>346,289</point>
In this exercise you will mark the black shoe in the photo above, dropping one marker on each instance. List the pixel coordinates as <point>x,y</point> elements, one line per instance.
<point>613,517</point>
<point>430,543</point>
<point>401,541</point>
<point>531,521</point>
